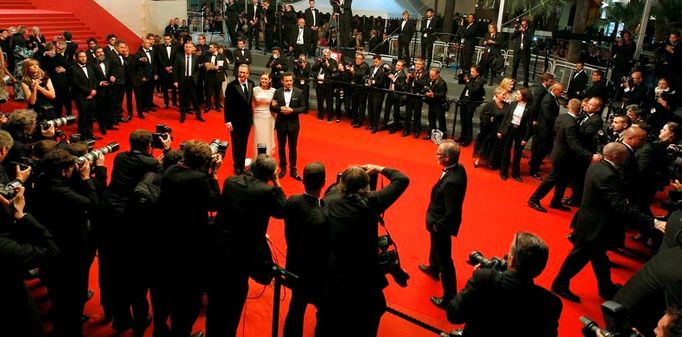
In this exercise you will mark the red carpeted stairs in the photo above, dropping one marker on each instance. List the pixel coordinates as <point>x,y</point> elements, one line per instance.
<point>84,19</point>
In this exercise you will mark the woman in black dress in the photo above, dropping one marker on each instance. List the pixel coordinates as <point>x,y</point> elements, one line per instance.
<point>486,147</point>
<point>38,90</point>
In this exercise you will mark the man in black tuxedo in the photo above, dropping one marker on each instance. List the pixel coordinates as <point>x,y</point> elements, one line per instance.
<point>104,100</point>
<point>269,24</point>
<point>186,71</point>
<point>322,70</point>
<point>375,84</point>
<point>215,64</point>
<point>165,55</point>
<point>435,97</point>
<point>543,120</point>
<point>307,247</point>
<point>342,8</point>
<point>241,56</point>
<point>599,224</point>
<point>511,295</point>
<point>118,72</point>
<point>288,102</point>
<point>472,96</point>
<point>397,81</point>
<point>443,218</point>
<point>232,20</point>
<point>71,47</point>
<point>60,80</point>
<point>299,38</point>
<point>589,124</point>
<point>428,37</point>
<point>469,35</point>
<point>239,247</point>
<point>623,51</point>
<point>201,52</point>
<point>416,80</point>
<point>253,16</point>
<point>239,115</point>
<point>83,87</point>
<point>189,191</point>
<point>405,37</point>
<point>314,20</point>
<point>359,97</point>
<point>567,154</point>
<point>578,82</point>
<point>523,39</point>
<point>92,46</point>
<point>597,87</point>
<point>143,74</point>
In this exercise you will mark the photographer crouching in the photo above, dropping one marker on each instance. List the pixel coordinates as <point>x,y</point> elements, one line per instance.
<point>353,290</point>
<point>510,296</point>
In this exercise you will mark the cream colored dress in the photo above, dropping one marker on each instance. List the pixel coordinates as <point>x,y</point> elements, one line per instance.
<point>263,120</point>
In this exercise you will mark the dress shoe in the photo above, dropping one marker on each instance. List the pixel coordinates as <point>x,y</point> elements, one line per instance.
<point>281,174</point>
<point>503,177</point>
<point>338,121</point>
<point>406,133</point>
<point>123,120</point>
<point>182,118</point>
<point>355,126</point>
<point>369,127</point>
<point>427,270</point>
<point>439,302</point>
<point>381,128</point>
<point>566,293</point>
<point>518,178</point>
<point>141,116</point>
<point>96,137</point>
<point>295,176</point>
<point>207,110</point>
<point>103,132</point>
<point>152,109</point>
<point>113,128</point>
<point>201,119</point>
<point>560,207</point>
<point>536,206</point>
<point>536,176</point>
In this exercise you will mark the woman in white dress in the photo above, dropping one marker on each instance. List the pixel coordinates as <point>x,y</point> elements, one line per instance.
<point>263,119</point>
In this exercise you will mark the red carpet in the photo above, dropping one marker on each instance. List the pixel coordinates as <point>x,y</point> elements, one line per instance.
<point>493,211</point>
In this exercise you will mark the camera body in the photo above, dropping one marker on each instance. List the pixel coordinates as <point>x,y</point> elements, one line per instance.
<point>389,262</point>
<point>78,138</point>
<point>7,190</point>
<point>219,147</point>
<point>496,263</point>
<point>615,317</point>
<point>627,80</point>
<point>162,131</point>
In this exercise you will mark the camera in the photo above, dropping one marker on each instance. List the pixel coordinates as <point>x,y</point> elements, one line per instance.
<point>496,263</point>
<point>615,317</point>
<point>261,148</point>
<point>300,63</point>
<point>8,190</point>
<point>219,147</point>
<point>57,122</point>
<point>461,78</point>
<point>389,262</point>
<point>24,163</point>
<point>162,131</point>
<point>93,155</point>
<point>627,80</point>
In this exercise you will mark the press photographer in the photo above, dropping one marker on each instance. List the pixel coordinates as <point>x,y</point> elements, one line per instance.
<point>510,296</point>
<point>323,68</point>
<point>278,66</point>
<point>353,290</point>
<point>301,75</point>
<point>375,81</point>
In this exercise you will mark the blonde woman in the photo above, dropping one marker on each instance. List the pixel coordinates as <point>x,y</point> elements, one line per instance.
<point>508,84</point>
<point>38,90</point>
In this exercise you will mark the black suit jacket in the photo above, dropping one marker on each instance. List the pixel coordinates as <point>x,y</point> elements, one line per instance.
<point>80,84</point>
<point>473,90</point>
<point>588,130</point>
<point>102,76</point>
<point>447,196</point>
<point>604,206</point>
<point>636,95</point>
<point>597,89</point>
<point>179,68</point>
<point>399,82</point>
<point>525,125</point>
<point>240,59</point>
<point>440,90</point>
<point>162,58</point>
<point>427,31</point>
<point>308,16</point>
<point>118,70</point>
<point>70,52</point>
<point>217,74</point>
<point>288,122</point>
<point>547,114</point>
<point>469,34</point>
<point>536,97</point>
<point>577,84</point>
<point>250,12</point>
<point>406,33</point>
<point>238,110</point>
<point>293,35</point>
<point>527,41</point>
<point>567,146</point>
<point>141,66</point>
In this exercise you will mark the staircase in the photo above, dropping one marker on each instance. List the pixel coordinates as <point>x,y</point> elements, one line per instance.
<point>83,18</point>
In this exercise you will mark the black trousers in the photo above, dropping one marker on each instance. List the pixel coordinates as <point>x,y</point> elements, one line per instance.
<point>392,104</point>
<point>214,89</point>
<point>186,293</point>
<point>86,114</point>
<point>188,96</point>
<point>293,324</point>
<point>358,104</point>
<point>282,137</point>
<point>582,253</point>
<point>66,278</point>
<point>240,139</point>
<point>427,52</point>
<point>128,90</point>
<point>325,100</point>
<point>18,311</point>
<point>342,94</point>
<point>466,121</point>
<point>376,103</point>
<point>143,97</point>
<point>62,100</point>
<point>523,57</point>
<point>167,84</point>
<point>404,50</point>
<point>104,112</point>
<point>541,147</point>
<point>413,114</point>
<point>558,179</point>
<point>345,19</point>
<point>440,262</point>
<point>226,297</point>
<point>253,35</point>
<point>512,141</point>
<point>467,56</point>
<point>436,113</point>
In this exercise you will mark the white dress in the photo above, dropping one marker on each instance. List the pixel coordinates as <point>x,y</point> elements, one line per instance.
<point>263,120</point>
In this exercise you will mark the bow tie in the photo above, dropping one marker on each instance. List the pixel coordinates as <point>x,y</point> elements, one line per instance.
<point>287,90</point>
<point>83,66</point>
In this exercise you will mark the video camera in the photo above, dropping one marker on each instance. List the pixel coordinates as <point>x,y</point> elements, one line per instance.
<point>162,131</point>
<point>496,263</point>
<point>615,317</point>
<point>93,155</point>
<point>57,122</point>
<point>8,190</point>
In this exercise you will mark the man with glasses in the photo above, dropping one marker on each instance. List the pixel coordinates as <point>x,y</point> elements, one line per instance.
<point>443,218</point>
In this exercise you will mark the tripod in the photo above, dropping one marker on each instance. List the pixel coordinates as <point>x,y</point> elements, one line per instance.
<point>280,275</point>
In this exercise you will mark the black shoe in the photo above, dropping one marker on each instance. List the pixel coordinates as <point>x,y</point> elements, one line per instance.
<point>536,206</point>
<point>439,302</point>
<point>295,176</point>
<point>199,118</point>
<point>427,270</point>
<point>406,133</point>
<point>281,174</point>
<point>416,134</point>
<point>152,109</point>
<point>566,293</point>
<point>392,131</point>
<point>182,118</point>
<point>141,116</point>
<point>103,132</point>
<point>207,110</point>
<point>374,131</point>
<point>536,176</point>
<point>517,178</point>
<point>123,120</point>
<point>355,126</point>
<point>503,177</point>
<point>560,207</point>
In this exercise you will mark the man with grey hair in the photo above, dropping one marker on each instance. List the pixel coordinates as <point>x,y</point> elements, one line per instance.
<point>240,249</point>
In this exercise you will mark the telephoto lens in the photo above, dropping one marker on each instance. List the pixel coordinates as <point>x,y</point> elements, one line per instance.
<point>57,122</point>
<point>93,155</point>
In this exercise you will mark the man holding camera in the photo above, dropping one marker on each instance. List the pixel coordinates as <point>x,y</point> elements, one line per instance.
<point>523,38</point>
<point>376,82</point>
<point>324,90</point>
<point>511,296</point>
<point>634,90</point>
<point>239,248</point>
<point>288,102</point>
<point>435,97</point>
<point>472,96</point>
<point>353,300</point>
<point>443,218</point>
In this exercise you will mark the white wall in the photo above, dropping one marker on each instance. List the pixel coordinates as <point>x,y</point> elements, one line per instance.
<point>145,16</point>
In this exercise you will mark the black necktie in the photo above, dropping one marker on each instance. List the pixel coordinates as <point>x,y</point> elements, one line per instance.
<point>246,90</point>
<point>187,67</point>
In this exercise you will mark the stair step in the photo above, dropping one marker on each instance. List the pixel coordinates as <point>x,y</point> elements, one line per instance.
<point>10,6</point>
